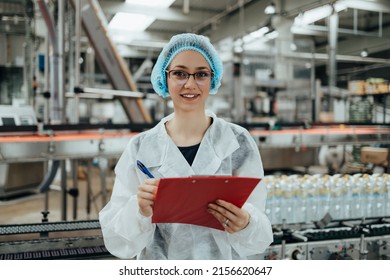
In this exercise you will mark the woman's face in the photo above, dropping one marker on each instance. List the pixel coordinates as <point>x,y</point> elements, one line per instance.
<point>189,93</point>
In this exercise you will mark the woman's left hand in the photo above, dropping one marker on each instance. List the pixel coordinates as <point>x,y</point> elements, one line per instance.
<point>230,216</point>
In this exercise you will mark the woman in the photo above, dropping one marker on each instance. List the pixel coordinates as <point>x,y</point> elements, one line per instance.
<point>191,141</point>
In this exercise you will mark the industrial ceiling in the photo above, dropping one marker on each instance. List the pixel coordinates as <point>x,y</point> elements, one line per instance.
<point>362,25</point>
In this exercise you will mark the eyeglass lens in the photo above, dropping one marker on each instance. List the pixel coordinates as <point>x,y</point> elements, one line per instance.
<point>182,77</point>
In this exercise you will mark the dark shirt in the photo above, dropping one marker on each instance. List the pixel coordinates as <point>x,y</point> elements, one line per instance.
<point>189,152</point>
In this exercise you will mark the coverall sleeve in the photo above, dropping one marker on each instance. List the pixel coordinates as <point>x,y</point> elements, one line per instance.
<point>125,231</point>
<point>257,236</point>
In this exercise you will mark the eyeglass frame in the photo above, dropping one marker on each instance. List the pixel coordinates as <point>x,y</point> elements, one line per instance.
<point>168,72</point>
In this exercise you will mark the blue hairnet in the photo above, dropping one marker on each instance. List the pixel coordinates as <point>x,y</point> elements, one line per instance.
<point>185,42</point>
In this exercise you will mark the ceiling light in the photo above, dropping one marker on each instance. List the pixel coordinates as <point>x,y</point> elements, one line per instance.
<point>256,34</point>
<point>318,13</point>
<point>270,9</point>
<point>133,22</point>
<point>293,47</point>
<point>364,53</point>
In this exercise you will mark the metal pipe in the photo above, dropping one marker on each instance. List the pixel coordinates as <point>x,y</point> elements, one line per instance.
<point>77,56</point>
<point>49,23</point>
<point>64,191</point>
<point>27,69</point>
<point>89,186</point>
<point>332,38</point>
<point>55,106</point>
<point>75,190</point>
<point>50,175</point>
<point>186,7</point>
<point>103,165</point>
<point>319,30</point>
<point>313,88</point>
<point>355,21</point>
<point>45,211</point>
<point>345,58</point>
<point>46,113</point>
<point>61,86</point>
<point>46,73</point>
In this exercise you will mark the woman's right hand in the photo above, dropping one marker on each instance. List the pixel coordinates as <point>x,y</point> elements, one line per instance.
<point>146,193</point>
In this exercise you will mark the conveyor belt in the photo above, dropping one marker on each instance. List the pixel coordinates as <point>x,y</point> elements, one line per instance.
<point>49,227</point>
<point>63,145</point>
<point>336,229</point>
<point>78,145</point>
<point>62,244</point>
<point>67,253</point>
<point>319,136</point>
<point>344,233</point>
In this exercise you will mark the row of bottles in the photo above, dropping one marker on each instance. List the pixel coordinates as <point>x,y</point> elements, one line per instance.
<point>305,198</point>
<point>361,110</point>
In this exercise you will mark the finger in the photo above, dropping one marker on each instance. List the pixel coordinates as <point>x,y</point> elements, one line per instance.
<point>144,203</point>
<point>221,218</point>
<point>147,192</point>
<point>228,206</point>
<point>145,195</point>
<point>222,211</point>
<point>147,188</point>
<point>151,181</point>
<point>241,214</point>
<point>145,207</point>
<point>237,220</point>
<point>226,222</point>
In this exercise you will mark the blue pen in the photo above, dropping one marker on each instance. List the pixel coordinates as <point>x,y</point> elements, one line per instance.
<point>143,168</point>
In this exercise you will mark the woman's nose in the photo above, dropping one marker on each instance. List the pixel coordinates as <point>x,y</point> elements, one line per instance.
<point>191,83</point>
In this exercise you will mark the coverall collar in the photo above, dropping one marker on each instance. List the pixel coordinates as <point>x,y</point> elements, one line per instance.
<point>218,143</point>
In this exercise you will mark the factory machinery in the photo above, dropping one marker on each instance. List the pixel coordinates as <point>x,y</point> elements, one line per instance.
<point>328,216</point>
<point>326,239</point>
<point>54,240</point>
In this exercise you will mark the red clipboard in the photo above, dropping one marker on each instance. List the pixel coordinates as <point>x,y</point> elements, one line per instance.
<point>185,200</point>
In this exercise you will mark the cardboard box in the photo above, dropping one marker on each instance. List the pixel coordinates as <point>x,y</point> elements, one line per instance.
<point>378,156</point>
<point>326,117</point>
<point>377,88</point>
<point>371,88</point>
<point>383,88</point>
<point>357,87</point>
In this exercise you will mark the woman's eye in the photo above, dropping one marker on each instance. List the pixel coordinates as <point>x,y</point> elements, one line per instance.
<point>180,74</point>
<point>202,75</point>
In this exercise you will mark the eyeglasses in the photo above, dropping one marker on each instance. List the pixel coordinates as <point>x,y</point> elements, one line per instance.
<point>181,77</point>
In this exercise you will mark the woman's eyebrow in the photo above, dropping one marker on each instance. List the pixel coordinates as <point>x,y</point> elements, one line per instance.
<point>186,67</point>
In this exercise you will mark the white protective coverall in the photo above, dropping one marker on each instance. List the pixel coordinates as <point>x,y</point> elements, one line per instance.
<point>226,149</point>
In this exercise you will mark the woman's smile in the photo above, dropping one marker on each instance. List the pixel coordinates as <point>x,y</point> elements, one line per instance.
<point>190,96</point>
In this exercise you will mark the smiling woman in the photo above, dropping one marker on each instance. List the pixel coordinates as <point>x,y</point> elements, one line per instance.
<point>189,92</point>
<point>191,141</point>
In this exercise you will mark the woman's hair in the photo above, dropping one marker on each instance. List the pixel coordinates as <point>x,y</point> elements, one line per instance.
<point>185,42</point>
